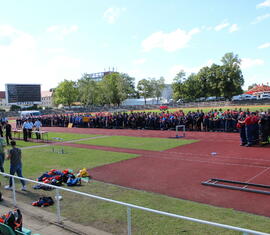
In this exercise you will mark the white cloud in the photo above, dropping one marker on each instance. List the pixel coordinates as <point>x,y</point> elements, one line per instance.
<point>61,31</point>
<point>105,45</point>
<point>221,26</point>
<point>112,14</point>
<point>169,41</point>
<point>265,45</point>
<point>260,18</point>
<point>23,60</point>
<point>139,61</point>
<point>233,28</point>
<point>266,3</point>
<point>55,50</point>
<point>248,63</point>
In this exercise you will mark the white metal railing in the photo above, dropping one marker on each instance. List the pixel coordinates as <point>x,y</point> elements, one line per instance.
<point>128,205</point>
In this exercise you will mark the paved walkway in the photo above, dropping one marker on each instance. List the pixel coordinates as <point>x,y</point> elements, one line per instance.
<point>43,222</point>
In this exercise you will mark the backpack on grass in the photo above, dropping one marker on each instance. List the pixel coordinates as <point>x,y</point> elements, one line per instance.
<point>13,219</point>
<point>43,201</point>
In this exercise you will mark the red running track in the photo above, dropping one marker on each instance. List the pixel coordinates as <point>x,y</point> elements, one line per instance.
<point>178,172</point>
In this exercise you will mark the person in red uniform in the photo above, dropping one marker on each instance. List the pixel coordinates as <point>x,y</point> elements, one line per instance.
<point>249,127</point>
<point>255,127</point>
<point>241,126</point>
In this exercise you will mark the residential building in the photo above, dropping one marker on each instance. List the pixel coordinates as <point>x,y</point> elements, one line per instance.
<point>3,99</point>
<point>47,98</point>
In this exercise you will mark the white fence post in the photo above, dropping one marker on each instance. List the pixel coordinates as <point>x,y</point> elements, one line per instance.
<point>58,211</point>
<point>14,191</point>
<point>129,220</point>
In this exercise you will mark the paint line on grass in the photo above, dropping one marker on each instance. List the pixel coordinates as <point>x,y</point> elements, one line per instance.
<point>63,142</point>
<point>89,138</point>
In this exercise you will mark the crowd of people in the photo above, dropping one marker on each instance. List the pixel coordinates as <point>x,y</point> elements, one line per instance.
<point>215,120</point>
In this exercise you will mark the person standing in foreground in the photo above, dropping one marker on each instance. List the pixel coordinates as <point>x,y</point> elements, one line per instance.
<point>2,154</point>
<point>15,156</point>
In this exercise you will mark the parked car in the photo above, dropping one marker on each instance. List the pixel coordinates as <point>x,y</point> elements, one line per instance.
<point>237,97</point>
<point>200,99</point>
<point>265,96</point>
<point>29,113</point>
<point>180,101</point>
<point>221,98</point>
<point>247,97</point>
<point>211,98</point>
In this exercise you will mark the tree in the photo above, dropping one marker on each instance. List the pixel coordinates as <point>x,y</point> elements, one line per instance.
<point>158,86</point>
<point>88,90</point>
<point>203,78</point>
<point>191,88</point>
<point>217,80</point>
<point>66,93</point>
<point>178,85</point>
<point>231,77</point>
<point>213,80</point>
<point>252,86</point>
<point>117,87</point>
<point>145,89</point>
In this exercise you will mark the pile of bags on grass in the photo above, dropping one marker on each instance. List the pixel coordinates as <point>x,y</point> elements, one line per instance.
<point>56,177</point>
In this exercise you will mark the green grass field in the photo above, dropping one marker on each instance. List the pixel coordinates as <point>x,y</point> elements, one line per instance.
<point>154,144</point>
<point>39,160</point>
<point>111,217</point>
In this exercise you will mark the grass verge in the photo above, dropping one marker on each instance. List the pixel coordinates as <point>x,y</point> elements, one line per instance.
<point>113,218</point>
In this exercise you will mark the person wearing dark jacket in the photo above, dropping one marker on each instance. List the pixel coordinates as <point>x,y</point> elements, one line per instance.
<point>8,132</point>
<point>15,156</point>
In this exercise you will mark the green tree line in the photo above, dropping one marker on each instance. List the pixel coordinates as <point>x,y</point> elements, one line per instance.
<point>224,80</point>
<point>113,89</point>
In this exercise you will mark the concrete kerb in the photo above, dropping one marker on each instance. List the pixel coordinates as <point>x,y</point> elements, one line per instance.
<point>49,219</point>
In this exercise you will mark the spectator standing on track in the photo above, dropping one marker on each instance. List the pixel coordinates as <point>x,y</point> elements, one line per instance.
<point>249,129</point>
<point>15,156</point>
<point>242,129</point>
<point>8,132</point>
<point>2,153</point>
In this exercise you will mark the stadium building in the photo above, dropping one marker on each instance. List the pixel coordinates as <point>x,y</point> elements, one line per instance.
<point>98,76</point>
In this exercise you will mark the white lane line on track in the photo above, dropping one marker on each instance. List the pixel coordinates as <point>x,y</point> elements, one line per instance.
<point>205,161</point>
<point>63,142</point>
<point>230,156</point>
<point>252,178</point>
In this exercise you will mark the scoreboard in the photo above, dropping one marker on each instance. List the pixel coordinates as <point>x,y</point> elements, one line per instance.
<point>23,94</point>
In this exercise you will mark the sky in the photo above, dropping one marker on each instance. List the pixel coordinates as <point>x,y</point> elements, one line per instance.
<point>45,42</point>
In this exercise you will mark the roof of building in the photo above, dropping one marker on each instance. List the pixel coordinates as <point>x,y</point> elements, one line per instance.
<point>2,95</point>
<point>259,88</point>
<point>46,93</point>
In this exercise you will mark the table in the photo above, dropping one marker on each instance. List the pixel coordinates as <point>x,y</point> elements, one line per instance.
<point>43,134</point>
